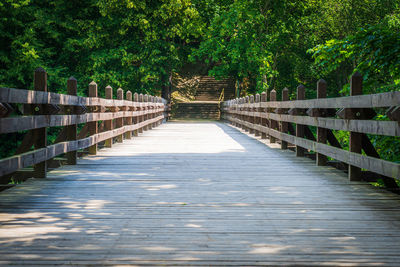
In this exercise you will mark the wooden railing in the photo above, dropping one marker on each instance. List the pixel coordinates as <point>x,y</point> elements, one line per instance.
<point>355,114</point>
<point>105,120</point>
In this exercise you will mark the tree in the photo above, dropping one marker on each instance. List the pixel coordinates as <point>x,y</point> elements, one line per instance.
<point>374,51</point>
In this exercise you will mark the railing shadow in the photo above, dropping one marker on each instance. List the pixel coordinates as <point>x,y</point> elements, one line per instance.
<point>223,206</point>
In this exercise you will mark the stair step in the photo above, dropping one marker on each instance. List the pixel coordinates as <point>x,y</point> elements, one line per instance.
<point>196,110</point>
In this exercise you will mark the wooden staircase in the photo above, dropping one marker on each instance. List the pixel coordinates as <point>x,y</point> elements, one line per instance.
<point>208,95</point>
<point>210,89</point>
<point>198,110</point>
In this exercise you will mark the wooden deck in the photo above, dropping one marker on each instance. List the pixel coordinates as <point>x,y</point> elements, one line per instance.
<point>198,194</point>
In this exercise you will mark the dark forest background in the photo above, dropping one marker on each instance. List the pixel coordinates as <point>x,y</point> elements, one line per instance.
<point>264,44</point>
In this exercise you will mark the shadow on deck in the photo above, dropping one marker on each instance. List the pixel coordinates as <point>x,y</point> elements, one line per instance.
<point>198,194</point>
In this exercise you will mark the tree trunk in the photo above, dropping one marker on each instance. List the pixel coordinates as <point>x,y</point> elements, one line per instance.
<point>166,89</point>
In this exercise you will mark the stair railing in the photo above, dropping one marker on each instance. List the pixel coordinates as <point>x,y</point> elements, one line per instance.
<point>222,95</point>
<point>221,98</point>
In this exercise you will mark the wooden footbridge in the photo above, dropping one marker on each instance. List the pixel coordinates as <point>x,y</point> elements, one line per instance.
<point>198,193</point>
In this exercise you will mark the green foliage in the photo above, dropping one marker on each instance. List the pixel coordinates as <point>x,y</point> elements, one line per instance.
<point>130,44</point>
<point>374,51</point>
<point>263,43</point>
<point>243,40</point>
<point>138,44</point>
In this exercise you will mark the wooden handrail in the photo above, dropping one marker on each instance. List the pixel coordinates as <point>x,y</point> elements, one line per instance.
<point>42,109</point>
<point>354,114</point>
<point>363,101</point>
<point>222,95</point>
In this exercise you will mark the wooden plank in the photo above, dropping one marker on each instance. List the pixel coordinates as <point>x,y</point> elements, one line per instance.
<point>142,107</point>
<point>360,101</point>
<point>355,138</point>
<point>11,164</point>
<point>150,114</point>
<point>15,124</point>
<point>71,130</point>
<point>145,108</point>
<point>379,166</point>
<point>389,128</point>
<point>301,94</point>
<point>256,119</point>
<point>108,124</point>
<point>135,118</point>
<point>120,121</point>
<point>83,132</point>
<point>321,159</point>
<point>309,134</point>
<point>370,150</point>
<point>262,110</point>
<point>11,95</point>
<point>251,117</point>
<point>128,120</point>
<point>273,123</point>
<point>284,125</point>
<point>40,134</point>
<point>93,125</point>
<point>246,107</point>
<point>163,199</point>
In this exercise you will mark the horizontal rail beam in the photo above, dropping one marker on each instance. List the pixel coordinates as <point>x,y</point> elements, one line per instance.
<point>22,96</point>
<point>379,166</point>
<point>388,128</point>
<point>15,124</point>
<point>360,101</point>
<point>11,164</point>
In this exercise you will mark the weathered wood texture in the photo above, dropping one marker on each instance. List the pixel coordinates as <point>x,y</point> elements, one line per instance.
<point>321,159</point>
<point>72,135</point>
<point>41,110</point>
<point>357,118</point>
<point>39,134</point>
<point>197,194</point>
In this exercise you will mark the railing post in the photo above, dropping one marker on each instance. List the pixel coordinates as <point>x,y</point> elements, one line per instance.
<point>151,107</point>
<point>257,117</point>
<point>148,108</point>
<point>108,124</point>
<point>128,120</point>
<point>247,109</point>
<point>160,113</point>
<point>284,125</point>
<point>40,134</point>
<point>321,159</point>
<point>251,110</point>
<point>93,128</point>
<point>239,109</point>
<point>272,123</point>
<point>262,110</point>
<point>142,109</point>
<point>137,109</point>
<point>120,121</point>
<point>156,101</point>
<point>355,138</point>
<point>243,117</point>
<point>235,109</point>
<point>147,105</point>
<point>155,114</point>
<point>223,107</point>
<point>301,95</point>
<point>151,116</point>
<point>231,108</point>
<point>72,89</point>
